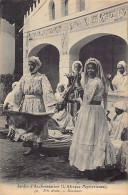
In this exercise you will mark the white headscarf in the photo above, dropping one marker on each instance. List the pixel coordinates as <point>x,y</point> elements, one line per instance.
<point>59,85</point>
<point>59,95</point>
<point>37,62</point>
<point>76,62</point>
<point>121,105</point>
<point>123,63</point>
<point>100,74</point>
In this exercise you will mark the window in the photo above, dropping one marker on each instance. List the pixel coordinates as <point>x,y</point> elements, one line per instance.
<point>82,5</point>
<point>66,7</point>
<point>52,10</point>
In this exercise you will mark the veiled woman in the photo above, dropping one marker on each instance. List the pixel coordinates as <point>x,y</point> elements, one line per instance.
<point>91,146</point>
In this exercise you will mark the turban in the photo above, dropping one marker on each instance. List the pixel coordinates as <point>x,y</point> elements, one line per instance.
<point>35,60</point>
<point>76,62</point>
<point>122,63</point>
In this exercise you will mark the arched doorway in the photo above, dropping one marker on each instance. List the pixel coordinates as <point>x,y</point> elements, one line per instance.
<point>49,56</point>
<point>108,49</point>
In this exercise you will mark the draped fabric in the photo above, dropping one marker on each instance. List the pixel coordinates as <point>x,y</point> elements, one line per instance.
<point>122,157</point>
<point>118,126</point>
<point>33,94</point>
<point>91,146</point>
<point>120,82</point>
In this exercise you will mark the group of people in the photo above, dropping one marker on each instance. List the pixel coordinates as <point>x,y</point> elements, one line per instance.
<point>79,109</point>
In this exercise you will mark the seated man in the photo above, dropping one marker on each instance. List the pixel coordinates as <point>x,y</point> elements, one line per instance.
<point>9,104</point>
<point>118,123</point>
<point>62,116</point>
<point>122,158</point>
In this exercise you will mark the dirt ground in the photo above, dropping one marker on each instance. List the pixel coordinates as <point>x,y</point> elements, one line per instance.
<point>17,168</point>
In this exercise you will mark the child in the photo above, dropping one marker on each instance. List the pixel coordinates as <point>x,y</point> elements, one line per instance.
<point>62,116</point>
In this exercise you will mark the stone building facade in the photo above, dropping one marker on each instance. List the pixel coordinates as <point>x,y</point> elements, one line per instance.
<point>62,31</point>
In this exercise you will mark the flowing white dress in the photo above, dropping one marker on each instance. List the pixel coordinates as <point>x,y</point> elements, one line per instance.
<point>91,146</point>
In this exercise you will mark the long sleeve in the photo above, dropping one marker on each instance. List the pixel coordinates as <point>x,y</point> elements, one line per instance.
<point>48,95</point>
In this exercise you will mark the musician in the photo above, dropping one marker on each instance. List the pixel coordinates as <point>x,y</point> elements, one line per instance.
<point>76,89</point>
<point>119,83</point>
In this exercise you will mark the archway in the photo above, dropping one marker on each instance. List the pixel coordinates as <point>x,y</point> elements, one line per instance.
<point>49,56</point>
<point>108,49</point>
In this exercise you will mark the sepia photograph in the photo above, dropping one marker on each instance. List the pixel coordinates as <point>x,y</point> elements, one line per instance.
<point>63,97</point>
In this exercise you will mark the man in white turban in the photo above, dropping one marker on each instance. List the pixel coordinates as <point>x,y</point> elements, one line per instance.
<point>120,81</point>
<point>34,94</point>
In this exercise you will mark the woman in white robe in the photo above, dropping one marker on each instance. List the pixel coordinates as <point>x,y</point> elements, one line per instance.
<point>91,146</point>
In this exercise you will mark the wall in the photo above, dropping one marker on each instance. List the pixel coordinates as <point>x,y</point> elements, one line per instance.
<point>41,14</point>
<point>70,33</point>
<point>7,59</point>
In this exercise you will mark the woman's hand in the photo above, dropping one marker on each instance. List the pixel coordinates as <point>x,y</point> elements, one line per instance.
<point>79,100</point>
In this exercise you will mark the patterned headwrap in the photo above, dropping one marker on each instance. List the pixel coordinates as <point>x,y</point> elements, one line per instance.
<point>76,62</point>
<point>37,62</point>
<point>100,74</point>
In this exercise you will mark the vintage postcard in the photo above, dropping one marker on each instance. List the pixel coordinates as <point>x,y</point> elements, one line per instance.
<point>64,97</point>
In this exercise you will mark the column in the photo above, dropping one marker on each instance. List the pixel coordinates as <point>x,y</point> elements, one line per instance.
<point>57,9</point>
<point>63,68</point>
<point>73,57</point>
<point>65,65</point>
<point>71,7</point>
<point>25,53</point>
